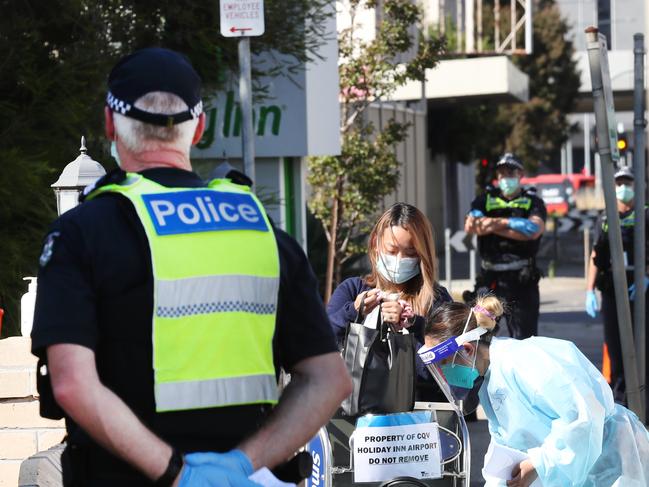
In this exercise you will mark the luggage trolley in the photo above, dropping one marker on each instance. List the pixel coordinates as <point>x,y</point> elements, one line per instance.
<point>333,460</point>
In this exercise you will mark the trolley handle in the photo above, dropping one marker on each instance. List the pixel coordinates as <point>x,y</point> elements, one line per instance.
<point>296,469</point>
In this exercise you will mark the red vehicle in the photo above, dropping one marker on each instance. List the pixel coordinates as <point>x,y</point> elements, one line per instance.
<point>558,191</point>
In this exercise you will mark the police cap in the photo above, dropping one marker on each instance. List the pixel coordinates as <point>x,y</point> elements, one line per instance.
<point>149,70</point>
<point>624,172</point>
<point>509,159</point>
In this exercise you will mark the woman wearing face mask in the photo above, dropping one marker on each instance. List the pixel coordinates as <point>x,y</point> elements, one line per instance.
<point>600,277</point>
<point>542,397</point>
<point>401,284</point>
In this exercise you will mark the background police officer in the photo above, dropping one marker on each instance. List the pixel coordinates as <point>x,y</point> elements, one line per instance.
<point>167,306</point>
<point>509,221</point>
<point>600,276</point>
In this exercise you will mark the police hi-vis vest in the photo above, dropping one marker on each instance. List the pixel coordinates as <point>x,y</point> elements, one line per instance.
<point>498,203</point>
<point>215,288</point>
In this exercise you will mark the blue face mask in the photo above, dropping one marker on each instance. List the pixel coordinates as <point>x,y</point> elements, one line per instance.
<point>397,270</point>
<point>114,154</point>
<point>508,185</point>
<point>624,193</point>
<point>461,376</point>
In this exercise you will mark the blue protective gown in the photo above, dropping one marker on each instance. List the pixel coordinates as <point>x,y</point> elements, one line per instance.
<point>544,397</point>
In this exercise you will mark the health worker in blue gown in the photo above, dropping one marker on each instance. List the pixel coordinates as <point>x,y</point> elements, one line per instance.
<point>542,397</point>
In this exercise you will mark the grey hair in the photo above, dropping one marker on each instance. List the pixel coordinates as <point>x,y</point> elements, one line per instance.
<point>138,136</point>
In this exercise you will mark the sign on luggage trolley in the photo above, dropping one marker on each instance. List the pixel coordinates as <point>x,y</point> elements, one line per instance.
<point>385,452</point>
<point>242,18</point>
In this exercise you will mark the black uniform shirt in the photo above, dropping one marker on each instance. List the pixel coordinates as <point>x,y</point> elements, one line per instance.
<point>95,288</point>
<point>601,247</point>
<point>495,248</point>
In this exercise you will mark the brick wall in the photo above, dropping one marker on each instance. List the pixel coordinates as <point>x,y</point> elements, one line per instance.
<point>22,431</point>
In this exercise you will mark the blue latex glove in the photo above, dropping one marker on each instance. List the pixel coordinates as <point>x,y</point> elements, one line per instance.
<point>209,469</point>
<point>632,288</point>
<point>591,304</point>
<point>524,226</point>
<point>476,213</point>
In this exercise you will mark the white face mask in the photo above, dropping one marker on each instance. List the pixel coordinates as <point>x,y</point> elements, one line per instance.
<point>114,154</point>
<point>395,269</point>
<point>508,185</point>
<point>624,193</point>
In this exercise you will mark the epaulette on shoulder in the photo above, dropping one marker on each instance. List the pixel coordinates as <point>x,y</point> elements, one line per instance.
<point>531,190</point>
<point>115,176</point>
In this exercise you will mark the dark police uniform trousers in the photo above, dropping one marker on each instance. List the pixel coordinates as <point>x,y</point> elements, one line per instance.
<point>96,290</point>
<point>604,283</point>
<point>517,286</point>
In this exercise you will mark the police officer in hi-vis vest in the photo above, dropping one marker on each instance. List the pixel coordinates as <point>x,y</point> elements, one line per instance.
<point>509,221</point>
<point>166,307</point>
<point>600,276</point>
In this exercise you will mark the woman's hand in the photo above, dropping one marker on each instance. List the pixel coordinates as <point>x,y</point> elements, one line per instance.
<point>391,312</point>
<point>371,298</point>
<point>523,475</point>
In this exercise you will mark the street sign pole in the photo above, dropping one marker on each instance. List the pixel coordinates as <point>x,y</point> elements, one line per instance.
<point>608,152</point>
<point>245,96</point>
<point>244,19</point>
<point>639,269</point>
<point>447,258</point>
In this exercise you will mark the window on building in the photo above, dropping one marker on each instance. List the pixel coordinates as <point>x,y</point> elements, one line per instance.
<point>604,19</point>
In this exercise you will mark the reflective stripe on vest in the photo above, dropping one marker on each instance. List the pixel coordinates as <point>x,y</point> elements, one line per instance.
<point>627,221</point>
<point>216,282</point>
<point>497,203</point>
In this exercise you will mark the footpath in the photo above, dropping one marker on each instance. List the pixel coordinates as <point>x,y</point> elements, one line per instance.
<point>562,316</point>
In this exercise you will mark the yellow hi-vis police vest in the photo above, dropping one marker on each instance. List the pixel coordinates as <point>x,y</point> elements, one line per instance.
<point>215,288</point>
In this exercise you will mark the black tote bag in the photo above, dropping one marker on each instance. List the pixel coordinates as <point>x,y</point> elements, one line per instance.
<point>382,367</point>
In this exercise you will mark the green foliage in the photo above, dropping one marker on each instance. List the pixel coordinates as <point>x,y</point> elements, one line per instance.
<point>346,189</point>
<point>366,170</point>
<point>534,130</point>
<point>540,126</point>
<point>55,57</point>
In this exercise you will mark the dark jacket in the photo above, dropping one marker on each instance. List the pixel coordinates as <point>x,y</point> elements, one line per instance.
<point>341,312</point>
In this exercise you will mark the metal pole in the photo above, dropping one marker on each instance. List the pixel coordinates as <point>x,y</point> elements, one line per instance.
<point>598,176</point>
<point>605,123</point>
<point>479,21</point>
<point>472,257</point>
<point>512,28</point>
<point>529,42</point>
<point>469,15</point>
<point>497,25</point>
<point>447,257</point>
<point>586,252</point>
<point>245,96</point>
<point>587,144</point>
<point>460,25</point>
<point>639,269</point>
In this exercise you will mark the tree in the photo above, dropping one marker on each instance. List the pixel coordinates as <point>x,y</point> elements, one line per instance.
<point>346,188</point>
<point>541,126</point>
<point>54,60</point>
<point>535,130</point>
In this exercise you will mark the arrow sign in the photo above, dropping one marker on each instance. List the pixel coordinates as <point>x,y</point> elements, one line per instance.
<point>565,225</point>
<point>241,18</point>
<point>457,241</point>
<point>587,225</point>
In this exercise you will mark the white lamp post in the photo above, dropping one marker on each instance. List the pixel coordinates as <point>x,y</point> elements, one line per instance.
<point>75,176</point>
